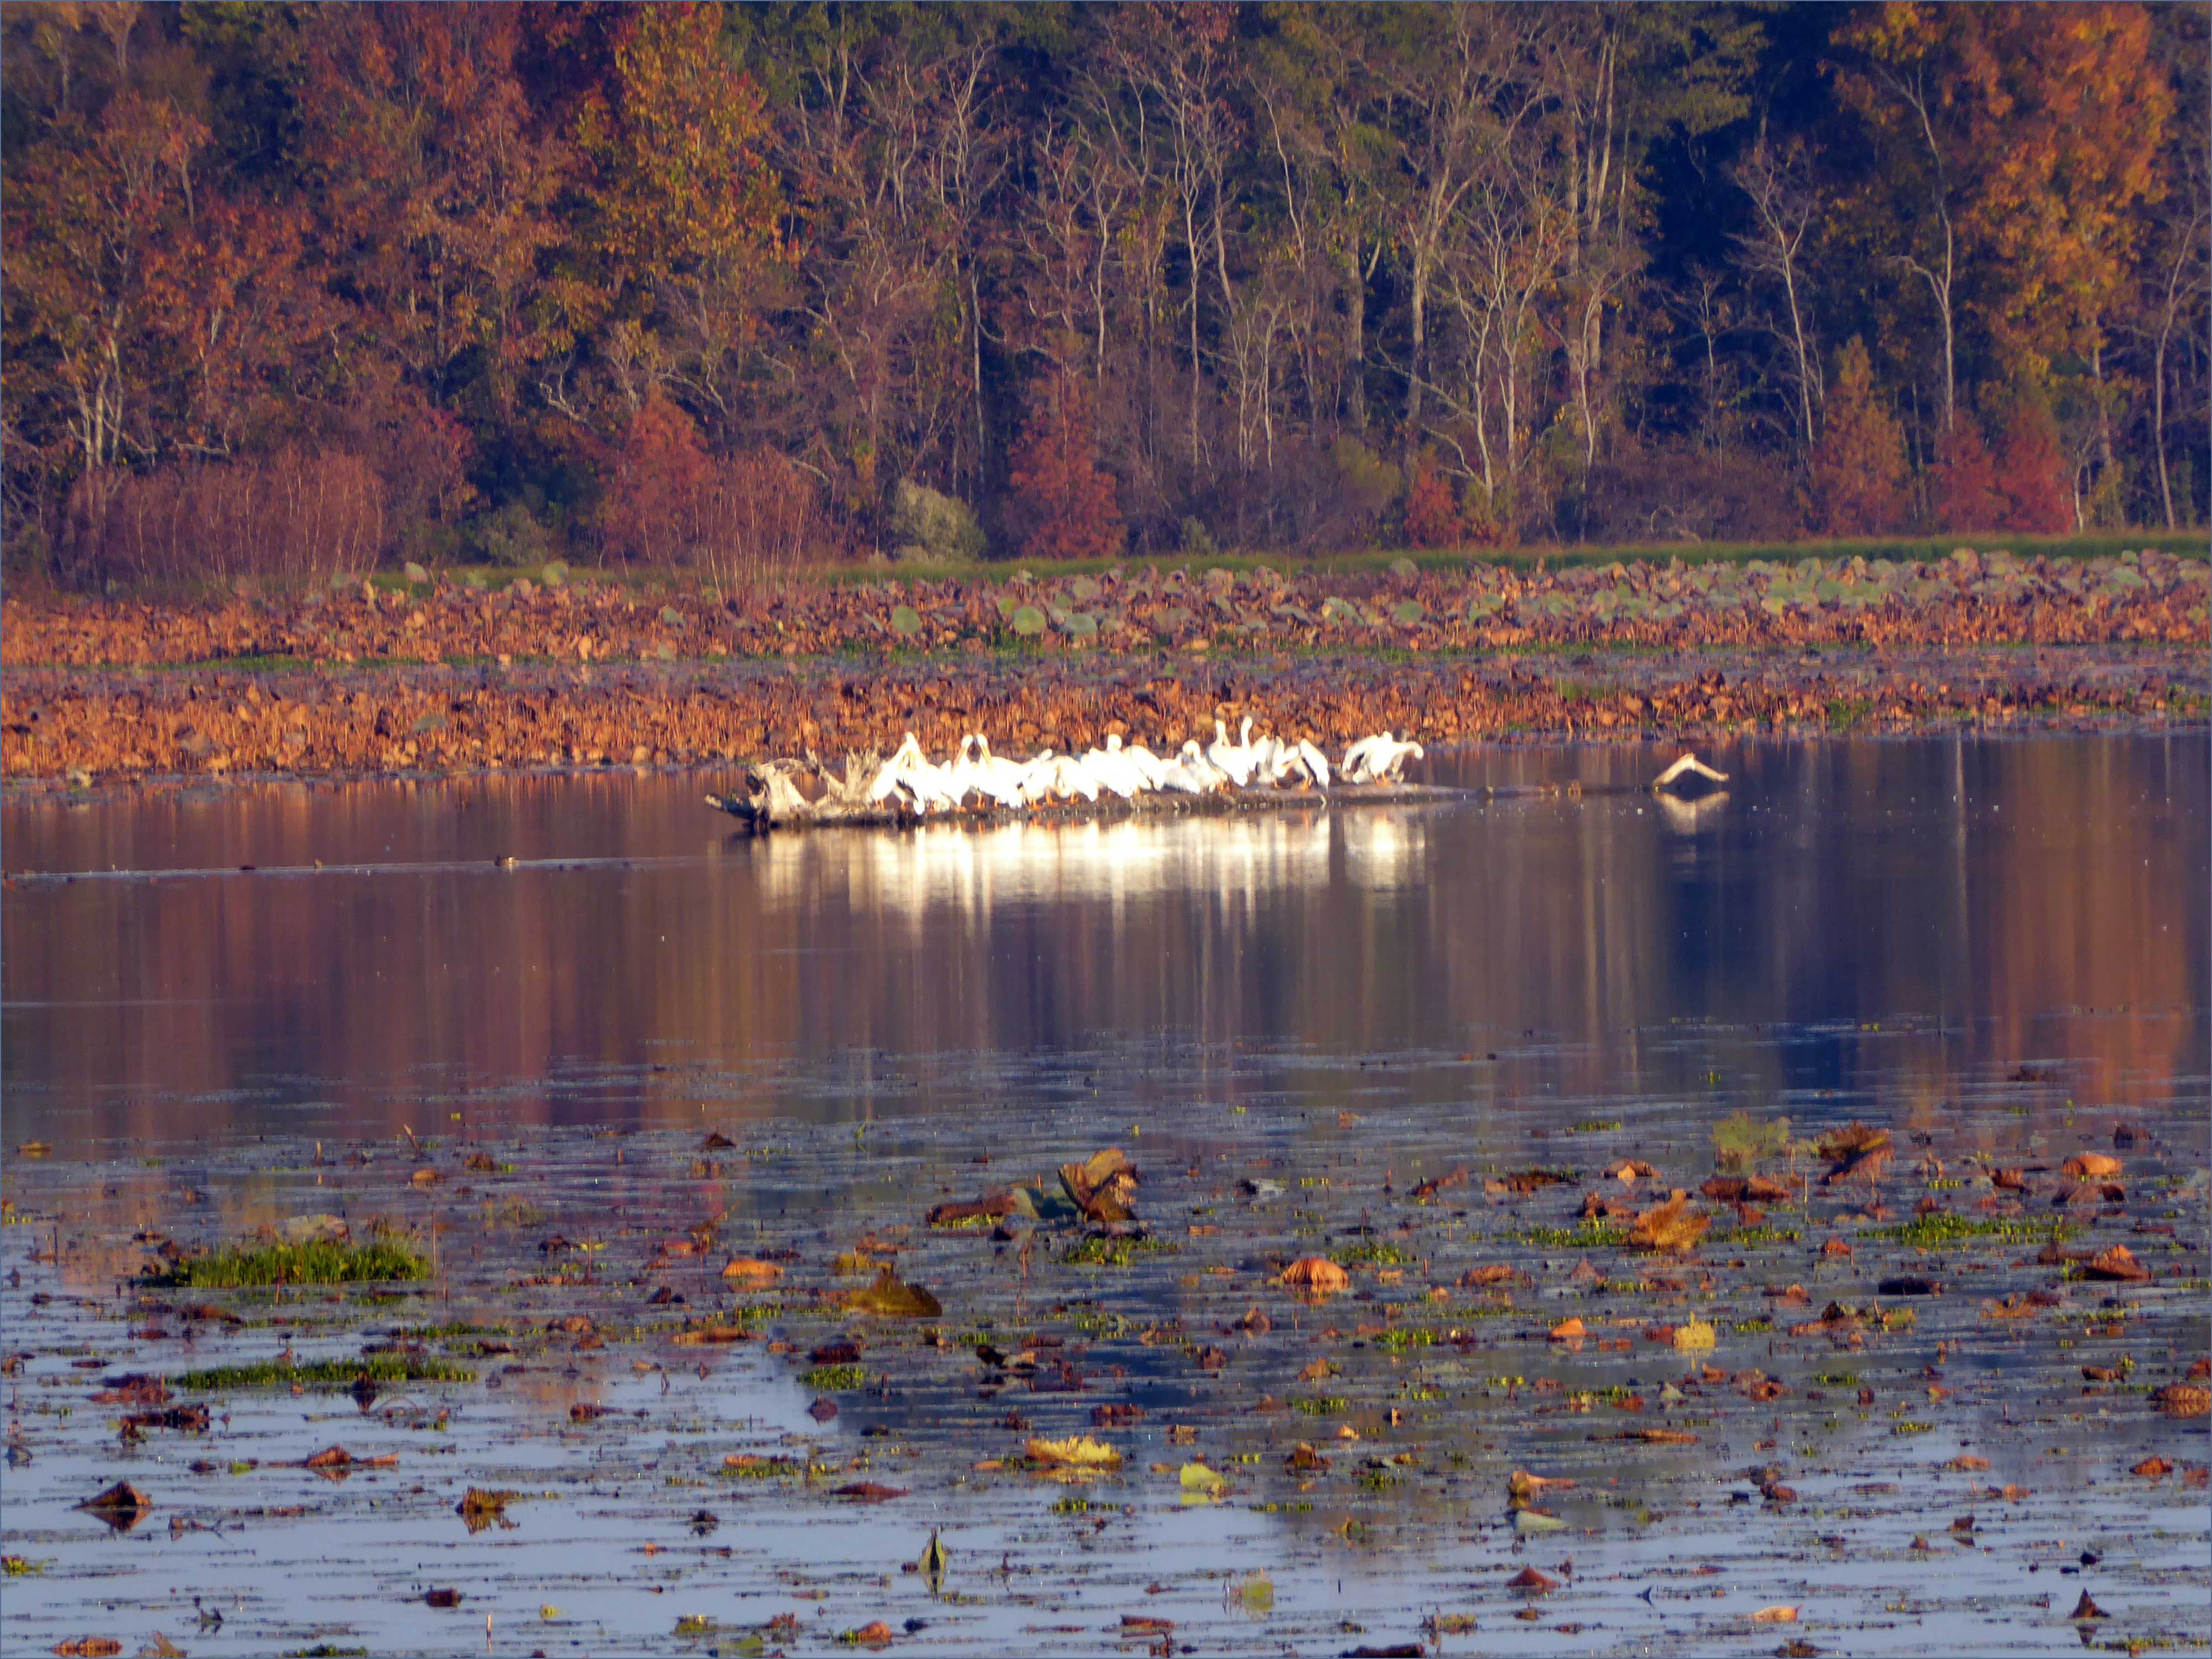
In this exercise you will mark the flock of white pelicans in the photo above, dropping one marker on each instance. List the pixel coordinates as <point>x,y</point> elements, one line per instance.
<point>910,779</point>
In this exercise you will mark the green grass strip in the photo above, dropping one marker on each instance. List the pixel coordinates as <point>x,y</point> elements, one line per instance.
<point>323,1373</point>
<point>321,1261</point>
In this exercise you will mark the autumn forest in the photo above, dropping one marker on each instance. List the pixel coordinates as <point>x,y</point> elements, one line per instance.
<point>294,289</point>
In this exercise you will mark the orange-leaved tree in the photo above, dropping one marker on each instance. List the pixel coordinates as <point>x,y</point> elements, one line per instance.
<point>1062,506</point>
<point>1962,484</point>
<point>1859,474</point>
<point>685,214</point>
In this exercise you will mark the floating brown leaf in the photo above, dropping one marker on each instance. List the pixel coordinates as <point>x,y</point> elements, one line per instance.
<point>1316,1275</point>
<point>2119,1262</point>
<point>2183,1400</point>
<point>1672,1225</point>
<point>1101,1186</point>
<point>2091,1166</point>
<point>1428,1189</point>
<point>868,1492</point>
<point>121,1505</point>
<point>1528,1578</point>
<point>750,1271</point>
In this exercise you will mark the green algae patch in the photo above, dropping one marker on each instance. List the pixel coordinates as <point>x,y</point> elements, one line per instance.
<point>1932,1231</point>
<point>316,1262</point>
<point>324,1373</point>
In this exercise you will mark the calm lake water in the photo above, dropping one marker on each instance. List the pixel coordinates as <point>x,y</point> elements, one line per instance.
<point>2032,898</point>
<point>648,1031</point>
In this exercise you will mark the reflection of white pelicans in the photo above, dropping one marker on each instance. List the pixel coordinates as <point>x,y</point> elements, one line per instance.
<point>1232,760</point>
<point>1113,768</point>
<point>1374,760</point>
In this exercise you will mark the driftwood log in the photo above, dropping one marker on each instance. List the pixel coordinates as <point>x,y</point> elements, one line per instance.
<point>790,795</point>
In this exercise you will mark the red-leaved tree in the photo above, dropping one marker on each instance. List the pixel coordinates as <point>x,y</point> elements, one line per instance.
<point>2031,471</point>
<point>1063,507</point>
<point>1431,515</point>
<point>650,513</point>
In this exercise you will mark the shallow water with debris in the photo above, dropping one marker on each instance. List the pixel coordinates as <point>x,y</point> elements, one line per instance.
<point>1370,1036</point>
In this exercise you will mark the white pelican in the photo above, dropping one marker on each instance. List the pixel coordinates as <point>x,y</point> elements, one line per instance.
<point>1232,760</point>
<point>1192,774</point>
<point>1695,768</point>
<point>934,788</point>
<point>1301,760</point>
<point>1149,766</point>
<point>1113,768</point>
<point>885,784</point>
<point>997,780</point>
<point>1354,764</point>
<point>1387,759</point>
<point>1069,780</point>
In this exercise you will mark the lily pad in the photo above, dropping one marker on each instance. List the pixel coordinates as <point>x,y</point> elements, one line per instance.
<point>1028,620</point>
<point>1081,624</point>
<point>1407,612</point>
<point>905,620</point>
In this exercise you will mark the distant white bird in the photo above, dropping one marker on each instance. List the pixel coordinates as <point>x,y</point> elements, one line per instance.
<point>1387,759</point>
<point>933,788</point>
<point>1113,770</point>
<point>1691,767</point>
<point>995,776</point>
<point>1232,760</point>
<point>1072,779</point>
<point>1149,766</point>
<point>1192,774</point>
<point>1354,764</point>
<point>1267,758</point>
<point>1302,763</point>
<point>885,786</point>
<point>997,780</point>
<point>1036,779</point>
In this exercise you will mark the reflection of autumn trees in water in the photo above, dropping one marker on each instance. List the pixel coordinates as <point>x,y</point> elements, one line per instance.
<point>1842,885</point>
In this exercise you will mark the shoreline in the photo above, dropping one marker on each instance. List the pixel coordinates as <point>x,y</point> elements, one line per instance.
<point>74,729</point>
<point>15,790</point>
